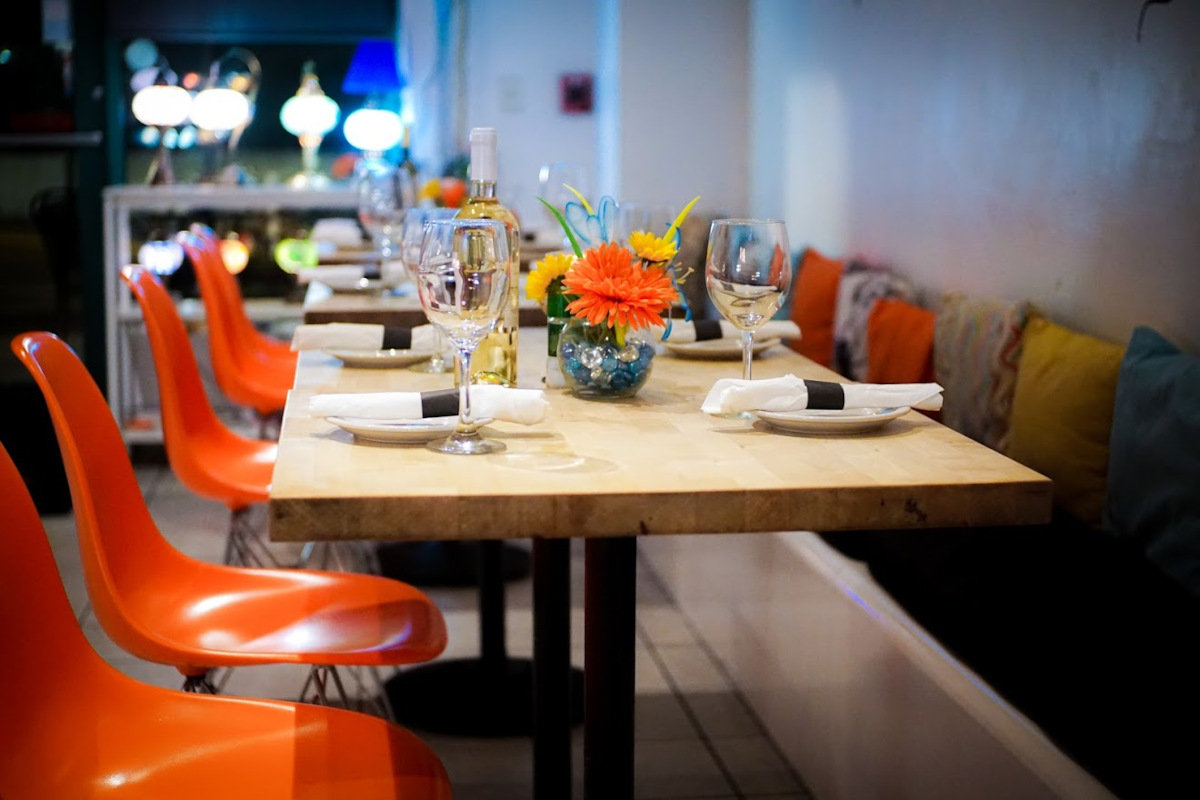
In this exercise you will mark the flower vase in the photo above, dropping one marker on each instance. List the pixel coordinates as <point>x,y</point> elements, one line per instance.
<point>599,362</point>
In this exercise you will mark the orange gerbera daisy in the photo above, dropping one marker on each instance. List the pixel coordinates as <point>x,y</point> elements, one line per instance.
<point>613,288</point>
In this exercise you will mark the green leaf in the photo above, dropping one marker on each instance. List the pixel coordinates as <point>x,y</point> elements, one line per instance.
<point>566,229</point>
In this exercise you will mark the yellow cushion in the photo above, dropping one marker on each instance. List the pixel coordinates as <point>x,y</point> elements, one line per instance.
<point>1062,413</point>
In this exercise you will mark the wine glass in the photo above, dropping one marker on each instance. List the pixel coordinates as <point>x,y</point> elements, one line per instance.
<point>747,271</point>
<point>553,180</point>
<point>462,279</point>
<point>410,253</point>
<point>385,193</point>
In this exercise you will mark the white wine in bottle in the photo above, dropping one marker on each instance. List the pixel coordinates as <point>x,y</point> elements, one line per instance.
<point>495,360</point>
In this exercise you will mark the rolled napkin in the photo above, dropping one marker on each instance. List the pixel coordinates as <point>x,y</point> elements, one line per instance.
<point>341,276</point>
<point>789,393</point>
<point>363,336</point>
<point>525,406</point>
<point>704,329</point>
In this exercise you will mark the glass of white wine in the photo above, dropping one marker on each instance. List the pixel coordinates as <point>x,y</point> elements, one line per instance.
<point>462,279</point>
<point>410,253</point>
<point>748,271</point>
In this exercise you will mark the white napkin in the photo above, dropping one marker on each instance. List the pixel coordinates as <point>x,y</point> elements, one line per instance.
<point>340,231</point>
<point>356,336</point>
<point>525,406</point>
<point>335,276</point>
<point>789,393</point>
<point>685,332</point>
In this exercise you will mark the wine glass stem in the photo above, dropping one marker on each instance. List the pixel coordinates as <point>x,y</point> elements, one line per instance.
<point>464,390</point>
<point>747,353</point>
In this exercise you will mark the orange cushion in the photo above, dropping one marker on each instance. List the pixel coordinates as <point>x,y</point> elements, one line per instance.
<point>814,301</point>
<point>899,343</point>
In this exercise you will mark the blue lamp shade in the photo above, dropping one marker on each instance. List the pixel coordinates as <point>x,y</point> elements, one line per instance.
<point>373,69</point>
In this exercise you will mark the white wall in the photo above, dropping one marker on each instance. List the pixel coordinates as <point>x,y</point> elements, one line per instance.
<point>683,118</point>
<point>516,50</point>
<point>1020,150</point>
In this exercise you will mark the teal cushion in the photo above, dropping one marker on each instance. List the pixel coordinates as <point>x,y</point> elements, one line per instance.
<point>1154,456</point>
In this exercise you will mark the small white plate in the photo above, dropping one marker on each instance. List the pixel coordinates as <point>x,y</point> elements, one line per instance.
<point>849,420</point>
<point>379,358</point>
<point>399,431</point>
<point>717,348</point>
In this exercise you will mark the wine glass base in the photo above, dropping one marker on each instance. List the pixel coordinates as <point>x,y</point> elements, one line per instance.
<point>465,444</point>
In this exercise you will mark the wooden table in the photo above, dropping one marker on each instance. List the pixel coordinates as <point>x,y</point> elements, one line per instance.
<point>610,471</point>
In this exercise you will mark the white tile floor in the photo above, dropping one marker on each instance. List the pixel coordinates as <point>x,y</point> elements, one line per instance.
<point>695,736</point>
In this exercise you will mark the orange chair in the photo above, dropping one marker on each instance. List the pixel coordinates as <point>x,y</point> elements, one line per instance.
<point>166,607</point>
<point>251,368</point>
<point>75,727</point>
<point>205,454</point>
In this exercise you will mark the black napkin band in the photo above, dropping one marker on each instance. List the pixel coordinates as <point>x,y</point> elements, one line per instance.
<point>825,395</point>
<point>395,337</point>
<point>439,403</point>
<point>707,329</point>
<point>372,272</point>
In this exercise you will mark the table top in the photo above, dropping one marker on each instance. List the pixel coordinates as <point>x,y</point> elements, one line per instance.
<point>648,465</point>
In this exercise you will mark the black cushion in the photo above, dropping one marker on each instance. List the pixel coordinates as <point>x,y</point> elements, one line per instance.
<point>1075,629</point>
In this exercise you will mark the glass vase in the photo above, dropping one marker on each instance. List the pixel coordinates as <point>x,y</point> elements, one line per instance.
<point>599,362</point>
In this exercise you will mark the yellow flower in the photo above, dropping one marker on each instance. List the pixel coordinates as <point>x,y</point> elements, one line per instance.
<point>649,247</point>
<point>544,273</point>
<point>430,190</point>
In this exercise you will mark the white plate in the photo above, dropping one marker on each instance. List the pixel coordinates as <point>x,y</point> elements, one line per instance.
<point>402,431</point>
<point>379,358</point>
<point>850,420</point>
<point>716,348</point>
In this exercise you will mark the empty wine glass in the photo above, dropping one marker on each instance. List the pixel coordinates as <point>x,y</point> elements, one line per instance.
<point>553,180</point>
<point>410,253</point>
<point>385,193</point>
<point>747,271</point>
<point>462,279</point>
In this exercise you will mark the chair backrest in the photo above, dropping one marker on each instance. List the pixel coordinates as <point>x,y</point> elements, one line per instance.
<point>196,438</point>
<point>230,331</point>
<point>47,661</point>
<point>119,542</point>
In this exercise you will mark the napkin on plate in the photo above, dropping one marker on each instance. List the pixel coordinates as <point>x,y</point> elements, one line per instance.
<point>704,329</point>
<point>526,406</point>
<point>789,393</point>
<point>363,336</point>
<point>339,276</point>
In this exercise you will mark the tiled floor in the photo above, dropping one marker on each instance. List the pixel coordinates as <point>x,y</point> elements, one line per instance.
<point>695,736</point>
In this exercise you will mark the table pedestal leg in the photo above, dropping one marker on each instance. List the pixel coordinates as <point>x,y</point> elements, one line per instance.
<point>491,695</point>
<point>552,701</point>
<point>610,602</point>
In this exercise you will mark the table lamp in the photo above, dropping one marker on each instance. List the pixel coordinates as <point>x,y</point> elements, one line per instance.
<point>225,106</point>
<point>309,115</point>
<point>374,128</point>
<point>162,106</point>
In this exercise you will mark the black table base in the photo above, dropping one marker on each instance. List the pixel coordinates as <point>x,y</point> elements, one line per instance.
<point>493,695</point>
<point>469,697</point>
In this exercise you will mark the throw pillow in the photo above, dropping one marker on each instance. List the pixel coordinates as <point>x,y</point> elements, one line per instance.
<point>1062,413</point>
<point>899,343</point>
<point>1154,463</point>
<point>861,285</point>
<point>814,299</point>
<point>976,349</point>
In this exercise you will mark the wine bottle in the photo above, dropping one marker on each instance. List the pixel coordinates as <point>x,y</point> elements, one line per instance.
<point>495,360</point>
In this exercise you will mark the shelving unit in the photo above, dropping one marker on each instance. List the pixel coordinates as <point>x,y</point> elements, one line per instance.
<point>139,420</point>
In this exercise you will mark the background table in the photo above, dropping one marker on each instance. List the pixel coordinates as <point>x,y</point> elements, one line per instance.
<point>611,471</point>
